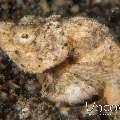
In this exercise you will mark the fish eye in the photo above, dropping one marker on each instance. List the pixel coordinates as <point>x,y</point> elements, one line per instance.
<point>24,37</point>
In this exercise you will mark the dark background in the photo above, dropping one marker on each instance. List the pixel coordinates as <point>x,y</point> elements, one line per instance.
<point>18,88</point>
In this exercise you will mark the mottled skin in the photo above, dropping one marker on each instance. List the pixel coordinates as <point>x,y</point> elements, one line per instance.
<point>79,54</point>
<point>28,47</point>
